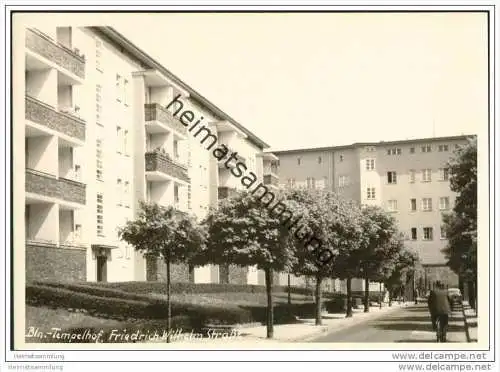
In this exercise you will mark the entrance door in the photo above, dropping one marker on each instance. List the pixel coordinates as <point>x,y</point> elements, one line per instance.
<point>102,268</point>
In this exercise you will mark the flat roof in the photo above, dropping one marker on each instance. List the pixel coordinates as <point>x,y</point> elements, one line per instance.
<point>149,62</point>
<point>380,143</point>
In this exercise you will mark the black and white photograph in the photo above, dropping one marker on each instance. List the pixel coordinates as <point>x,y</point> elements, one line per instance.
<point>250,178</point>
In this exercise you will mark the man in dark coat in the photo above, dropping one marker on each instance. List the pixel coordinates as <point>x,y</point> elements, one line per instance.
<point>439,305</point>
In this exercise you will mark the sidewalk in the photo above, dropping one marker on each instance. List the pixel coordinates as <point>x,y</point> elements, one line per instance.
<point>470,323</point>
<point>303,331</point>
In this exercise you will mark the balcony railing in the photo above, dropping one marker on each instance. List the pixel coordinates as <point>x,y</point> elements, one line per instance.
<point>64,57</point>
<point>156,161</point>
<point>154,111</point>
<point>226,192</point>
<point>61,188</point>
<point>43,114</point>
<point>271,179</point>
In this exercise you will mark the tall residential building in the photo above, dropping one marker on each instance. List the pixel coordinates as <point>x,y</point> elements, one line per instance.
<point>102,133</point>
<point>407,178</point>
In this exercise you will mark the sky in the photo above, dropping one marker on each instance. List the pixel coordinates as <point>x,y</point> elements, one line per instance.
<point>326,79</point>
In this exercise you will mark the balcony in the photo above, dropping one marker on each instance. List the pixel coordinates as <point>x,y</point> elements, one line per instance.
<point>62,122</point>
<point>47,185</point>
<point>53,51</point>
<point>159,162</point>
<point>159,118</point>
<point>226,192</point>
<point>271,179</point>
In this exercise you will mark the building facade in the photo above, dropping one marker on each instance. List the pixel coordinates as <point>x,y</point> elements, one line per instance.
<point>407,178</point>
<point>102,132</point>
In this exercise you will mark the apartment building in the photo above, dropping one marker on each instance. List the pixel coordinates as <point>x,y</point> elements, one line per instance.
<point>407,178</point>
<point>100,136</point>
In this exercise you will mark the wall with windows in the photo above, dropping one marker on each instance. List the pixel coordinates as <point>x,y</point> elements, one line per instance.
<point>416,190</point>
<point>110,136</point>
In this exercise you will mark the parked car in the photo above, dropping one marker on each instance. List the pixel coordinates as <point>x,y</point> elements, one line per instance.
<point>455,295</point>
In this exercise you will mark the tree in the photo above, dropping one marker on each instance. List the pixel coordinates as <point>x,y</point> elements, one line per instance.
<point>402,265</point>
<point>377,248</point>
<point>167,233</point>
<point>461,223</point>
<point>335,224</point>
<point>244,231</point>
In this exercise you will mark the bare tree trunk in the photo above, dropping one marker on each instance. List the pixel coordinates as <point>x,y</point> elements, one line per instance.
<point>319,279</point>
<point>367,294</point>
<point>348,313</point>
<point>269,318</point>
<point>169,307</point>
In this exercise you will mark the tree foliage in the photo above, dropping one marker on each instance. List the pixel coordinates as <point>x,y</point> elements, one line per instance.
<point>335,223</point>
<point>461,223</point>
<point>164,232</point>
<point>245,232</point>
<point>167,233</point>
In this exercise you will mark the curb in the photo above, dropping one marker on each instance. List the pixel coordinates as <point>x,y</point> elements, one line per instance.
<point>466,325</point>
<point>335,328</point>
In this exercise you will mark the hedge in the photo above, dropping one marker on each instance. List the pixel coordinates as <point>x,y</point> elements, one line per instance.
<point>186,288</point>
<point>120,308</point>
<point>108,305</point>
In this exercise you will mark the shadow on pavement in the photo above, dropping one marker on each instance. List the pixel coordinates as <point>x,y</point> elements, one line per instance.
<point>423,341</point>
<point>408,326</point>
<point>408,319</point>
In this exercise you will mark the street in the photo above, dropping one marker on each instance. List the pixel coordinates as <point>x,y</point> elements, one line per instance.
<point>408,324</point>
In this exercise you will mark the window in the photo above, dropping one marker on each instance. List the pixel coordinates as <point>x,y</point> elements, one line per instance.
<point>125,91</point>
<point>428,233</point>
<point>319,159</point>
<point>427,204</point>
<point>298,161</point>
<point>394,151</point>
<point>426,175</point>
<point>313,183</point>
<point>426,148</point>
<point>99,163</point>
<point>370,193</point>
<point>341,157</point>
<point>444,203</point>
<point>119,191</point>
<point>443,148</point>
<point>412,175</point>
<point>391,178</point>
<point>413,233</point>
<point>412,150</point>
<point>176,196</point>
<point>125,142</point>
<point>393,205</point>
<point>176,150</point>
<point>119,140</point>
<point>370,164</point>
<point>413,205</point>
<point>370,149</point>
<point>98,104</point>
<point>343,181</point>
<point>444,234</point>
<point>444,174</point>
<point>100,215</point>
<point>118,88</point>
<point>98,55</point>
<point>126,191</point>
